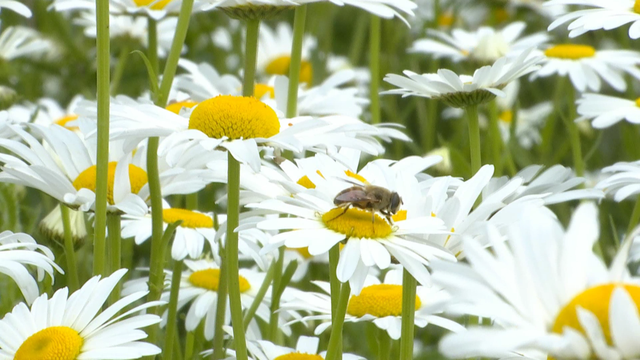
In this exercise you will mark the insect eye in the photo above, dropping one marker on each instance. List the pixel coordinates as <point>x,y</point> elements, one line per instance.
<point>395,202</point>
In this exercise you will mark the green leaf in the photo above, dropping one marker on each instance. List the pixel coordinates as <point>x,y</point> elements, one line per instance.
<point>153,78</point>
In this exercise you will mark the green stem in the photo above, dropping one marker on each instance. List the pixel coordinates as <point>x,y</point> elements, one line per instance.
<point>115,251</point>
<point>334,257</point>
<point>495,139</point>
<point>119,70</point>
<point>408,315</point>
<point>102,158</point>
<point>260,295</point>
<point>358,39</point>
<point>374,67</point>
<point>70,253</point>
<point>221,308</point>
<point>296,58</point>
<point>574,134</point>
<point>635,217</point>
<point>189,344</point>
<point>172,317</point>
<point>384,345</point>
<point>233,275</point>
<point>152,43</point>
<point>275,297</point>
<point>250,57</point>
<point>171,65</point>
<point>474,138</point>
<point>334,350</point>
<point>191,201</point>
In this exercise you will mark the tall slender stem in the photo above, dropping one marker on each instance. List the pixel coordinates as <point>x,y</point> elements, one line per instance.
<point>233,275</point>
<point>408,315</point>
<point>119,70</point>
<point>374,67</point>
<point>296,58</point>
<point>115,251</point>
<point>474,138</point>
<point>384,345</point>
<point>189,344</point>
<point>72,268</point>
<point>495,138</point>
<point>191,201</point>
<point>250,57</point>
<point>152,44</point>
<point>334,257</point>
<point>102,158</point>
<point>334,349</point>
<point>172,317</point>
<point>221,308</point>
<point>260,295</point>
<point>275,297</point>
<point>574,134</point>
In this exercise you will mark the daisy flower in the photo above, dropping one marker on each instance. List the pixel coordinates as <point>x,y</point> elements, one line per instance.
<point>190,235</point>
<point>156,9</point>
<point>73,327</point>
<point>45,112</point>
<point>623,181</point>
<point>606,15</point>
<point>317,224</point>
<point>546,292</point>
<point>306,348</point>
<point>386,9</point>
<point>51,227</point>
<point>66,170</point>
<point>484,45</point>
<point>199,286</point>
<point>378,302</point>
<point>604,111</point>
<point>463,90</point>
<point>18,250</point>
<point>16,6</point>
<point>202,81</point>
<point>585,66</point>
<point>255,9</point>
<point>274,52</point>
<point>19,41</point>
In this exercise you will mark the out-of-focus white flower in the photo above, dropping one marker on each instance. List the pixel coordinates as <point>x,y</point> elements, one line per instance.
<point>19,41</point>
<point>16,6</point>
<point>604,111</point>
<point>605,15</point>
<point>485,45</point>
<point>623,182</point>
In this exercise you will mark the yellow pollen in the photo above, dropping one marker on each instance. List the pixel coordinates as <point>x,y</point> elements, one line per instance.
<point>299,356</point>
<point>506,116</point>
<point>280,66</point>
<point>157,6</point>
<point>210,278</point>
<point>570,51</point>
<point>260,90</point>
<point>87,179</point>
<point>636,7</point>
<point>64,120</point>
<point>446,19</point>
<point>596,300</point>
<point>52,343</point>
<point>351,174</point>
<point>304,181</point>
<point>190,219</point>
<point>175,107</point>
<point>400,216</point>
<point>356,223</point>
<point>378,300</point>
<point>236,117</point>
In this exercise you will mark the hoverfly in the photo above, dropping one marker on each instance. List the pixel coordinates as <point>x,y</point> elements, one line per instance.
<point>371,198</point>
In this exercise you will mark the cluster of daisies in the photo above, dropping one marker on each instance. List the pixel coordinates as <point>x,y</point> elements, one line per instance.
<point>242,207</point>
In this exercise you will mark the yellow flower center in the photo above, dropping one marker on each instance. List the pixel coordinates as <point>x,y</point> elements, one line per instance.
<point>52,343</point>
<point>175,107</point>
<point>570,51</point>
<point>401,215</point>
<point>280,66</point>
<point>596,300</point>
<point>260,90</point>
<point>210,278</point>
<point>157,6</point>
<point>236,117</point>
<point>356,223</point>
<point>64,120</point>
<point>298,356</point>
<point>378,300</point>
<point>638,99</point>
<point>87,179</point>
<point>190,219</point>
<point>506,116</point>
<point>446,19</point>
<point>636,7</point>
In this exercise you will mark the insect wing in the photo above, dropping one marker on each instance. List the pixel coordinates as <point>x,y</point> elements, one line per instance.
<point>355,196</point>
